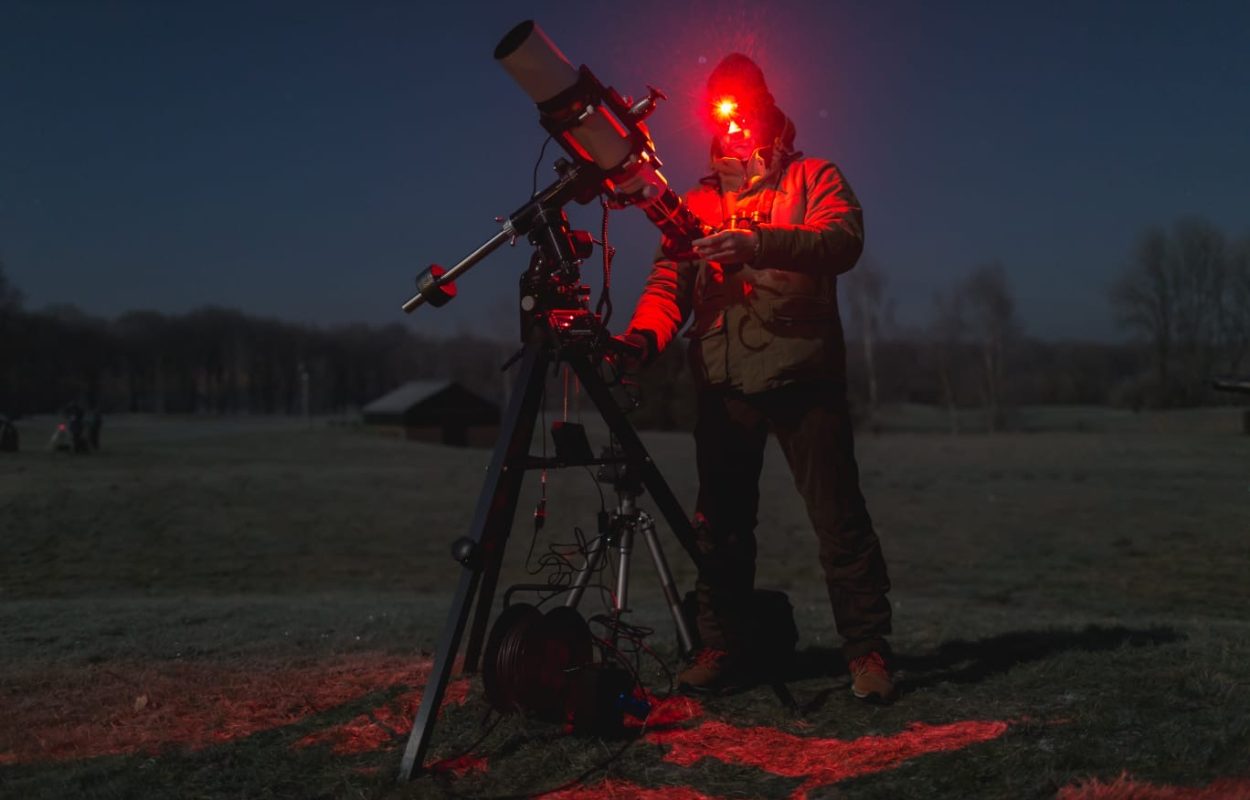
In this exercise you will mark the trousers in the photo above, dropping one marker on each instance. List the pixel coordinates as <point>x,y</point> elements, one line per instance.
<point>812,424</point>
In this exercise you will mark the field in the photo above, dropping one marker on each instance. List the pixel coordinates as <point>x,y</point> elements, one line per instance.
<point>247,608</point>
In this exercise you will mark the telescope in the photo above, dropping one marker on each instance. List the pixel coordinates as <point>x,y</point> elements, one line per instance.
<point>611,155</point>
<point>542,663</point>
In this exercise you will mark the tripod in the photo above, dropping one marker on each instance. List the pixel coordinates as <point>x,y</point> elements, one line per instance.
<point>624,524</point>
<point>557,326</point>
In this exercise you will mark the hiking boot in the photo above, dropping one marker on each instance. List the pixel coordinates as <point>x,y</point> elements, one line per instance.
<point>711,671</point>
<point>870,679</point>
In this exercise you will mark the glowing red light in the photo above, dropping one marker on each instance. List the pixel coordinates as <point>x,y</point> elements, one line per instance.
<point>668,711</point>
<point>726,108</point>
<point>460,766</point>
<point>374,730</point>
<point>819,761</point>
<point>1125,787</point>
<point>87,713</point>
<point>616,789</point>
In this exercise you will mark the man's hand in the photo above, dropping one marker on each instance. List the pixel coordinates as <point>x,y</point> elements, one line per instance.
<point>736,246</point>
<point>633,349</point>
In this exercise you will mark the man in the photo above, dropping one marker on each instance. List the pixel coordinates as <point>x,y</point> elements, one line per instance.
<point>767,353</point>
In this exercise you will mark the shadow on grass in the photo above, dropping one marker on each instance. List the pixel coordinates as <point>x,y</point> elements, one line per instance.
<point>970,662</point>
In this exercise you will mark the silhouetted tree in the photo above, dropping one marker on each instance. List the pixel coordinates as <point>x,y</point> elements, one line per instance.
<point>1237,318</point>
<point>1143,299</point>
<point>1201,274</point>
<point>10,309</point>
<point>947,332</point>
<point>1184,291</point>
<point>10,295</point>
<point>991,317</point>
<point>866,297</point>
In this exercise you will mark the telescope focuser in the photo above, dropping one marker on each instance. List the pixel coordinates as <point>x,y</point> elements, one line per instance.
<point>643,108</point>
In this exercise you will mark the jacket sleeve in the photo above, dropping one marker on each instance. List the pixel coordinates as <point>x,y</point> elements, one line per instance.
<point>666,300</point>
<point>831,235</point>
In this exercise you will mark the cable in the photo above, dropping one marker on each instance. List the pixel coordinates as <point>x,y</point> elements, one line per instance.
<point>537,164</point>
<point>604,306</point>
<point>540,510</point>
<point>603,506</point>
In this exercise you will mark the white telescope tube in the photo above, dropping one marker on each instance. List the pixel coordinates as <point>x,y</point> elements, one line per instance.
<point>542,71</point>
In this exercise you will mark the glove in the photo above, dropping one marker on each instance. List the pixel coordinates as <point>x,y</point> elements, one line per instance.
<point>635,348</point>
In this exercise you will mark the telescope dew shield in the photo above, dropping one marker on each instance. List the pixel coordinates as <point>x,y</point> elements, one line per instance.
<point>595,125</point>
<point>543,73</point>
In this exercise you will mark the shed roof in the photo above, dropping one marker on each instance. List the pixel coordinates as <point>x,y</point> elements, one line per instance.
<point>406,396</point>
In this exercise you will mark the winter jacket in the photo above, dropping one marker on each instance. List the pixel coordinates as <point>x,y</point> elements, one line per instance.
<point>773,321</point>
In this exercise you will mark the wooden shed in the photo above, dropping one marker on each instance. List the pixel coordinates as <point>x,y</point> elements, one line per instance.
<point>436,411</point>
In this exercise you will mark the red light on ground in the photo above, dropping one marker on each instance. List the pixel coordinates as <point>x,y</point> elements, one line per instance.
<point>1125,787</point>
<point>375,729</point>
<point>819,761</point>
<point>460,765</point>
<point>81,713</point>
<point>614,789</point>
<point>667,712</point>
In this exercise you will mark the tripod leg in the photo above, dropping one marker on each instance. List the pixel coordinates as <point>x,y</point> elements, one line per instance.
<point>488,534</point>
<point>612,414</point>
<point>622,568</point>
<point>669,585</point>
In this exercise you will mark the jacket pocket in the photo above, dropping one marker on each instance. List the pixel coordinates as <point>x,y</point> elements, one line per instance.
<point>798,311</point>
<point>709,351</point>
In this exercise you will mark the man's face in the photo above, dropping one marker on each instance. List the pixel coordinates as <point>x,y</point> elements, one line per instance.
<point>733,128</point>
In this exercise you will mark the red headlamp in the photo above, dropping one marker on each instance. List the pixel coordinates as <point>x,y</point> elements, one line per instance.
<point>728,120</point>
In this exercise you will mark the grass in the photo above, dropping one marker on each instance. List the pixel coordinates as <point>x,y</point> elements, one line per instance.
<point>235,608</point>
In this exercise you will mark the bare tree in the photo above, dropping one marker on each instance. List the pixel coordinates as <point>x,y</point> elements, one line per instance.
<point>10,295</point>
<point>947,330</point>
<point>1200,272</point>
<point>1237,318</point>
<point>866,296</point>
<point>1184,293</point>
<point>10,374</point>
<point>1144,300</point>
<point>991,315</point>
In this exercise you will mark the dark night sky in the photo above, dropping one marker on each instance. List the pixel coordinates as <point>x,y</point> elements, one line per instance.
<point>305,160</point>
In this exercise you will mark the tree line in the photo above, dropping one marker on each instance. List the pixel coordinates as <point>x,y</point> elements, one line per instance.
<point>217,361</point>
<point>1183,297</point>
